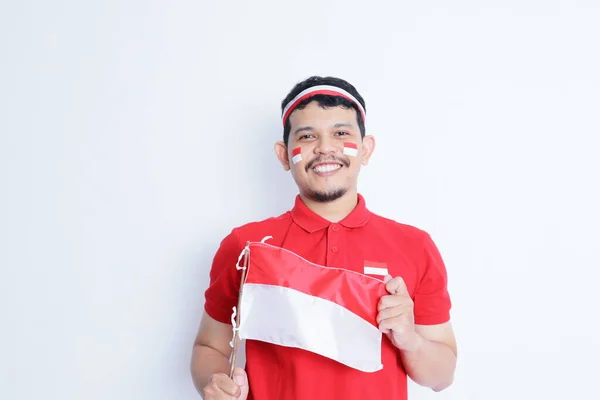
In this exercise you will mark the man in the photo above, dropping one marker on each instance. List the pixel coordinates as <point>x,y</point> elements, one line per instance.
<point>324,146</point>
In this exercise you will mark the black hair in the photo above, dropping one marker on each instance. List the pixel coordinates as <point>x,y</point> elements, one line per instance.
<point>325,101</point>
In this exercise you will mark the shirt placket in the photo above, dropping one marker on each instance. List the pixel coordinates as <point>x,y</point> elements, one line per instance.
<point>333,245</point>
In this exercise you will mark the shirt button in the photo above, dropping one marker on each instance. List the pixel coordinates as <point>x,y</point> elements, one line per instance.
<point>335,228</point>
<point>334,249</point>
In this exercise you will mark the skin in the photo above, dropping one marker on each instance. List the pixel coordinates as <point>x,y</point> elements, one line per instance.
<point>321,134</point>
<point>428,352</point>
<point>210,363</point>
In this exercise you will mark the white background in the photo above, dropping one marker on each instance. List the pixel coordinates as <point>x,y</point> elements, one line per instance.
<point>136,134</point>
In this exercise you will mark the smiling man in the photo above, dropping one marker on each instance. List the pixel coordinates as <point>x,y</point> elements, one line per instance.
<point>324,147</point>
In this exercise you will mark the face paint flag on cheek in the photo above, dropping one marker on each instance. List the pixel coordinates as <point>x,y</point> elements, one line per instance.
<point>296,155</point>
<point>350,149</point>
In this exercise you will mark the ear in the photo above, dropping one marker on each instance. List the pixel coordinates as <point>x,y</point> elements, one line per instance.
<point>368,146</point>
<point>281,152</point>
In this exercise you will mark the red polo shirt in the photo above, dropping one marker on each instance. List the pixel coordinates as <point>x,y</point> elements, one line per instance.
<point>362,239</point>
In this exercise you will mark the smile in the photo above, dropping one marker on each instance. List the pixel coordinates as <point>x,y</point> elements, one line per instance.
<point>323,168</point>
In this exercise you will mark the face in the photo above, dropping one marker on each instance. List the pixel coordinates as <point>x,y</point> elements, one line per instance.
<point>324,151</point>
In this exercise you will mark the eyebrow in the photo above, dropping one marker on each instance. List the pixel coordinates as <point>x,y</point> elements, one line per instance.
<point>343,125</point>
<point>310,128</point>
<point>303,129</point>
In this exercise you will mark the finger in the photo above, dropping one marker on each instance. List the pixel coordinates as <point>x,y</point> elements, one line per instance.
<point>225,384</point>
<point>241,379</point>
<point>396,286</point>
<point>212,392</point>
<point>388,301</point>
<point>237,371</point>
<point>389,313</point>
<point>389,324</point>
<point>387,278</point>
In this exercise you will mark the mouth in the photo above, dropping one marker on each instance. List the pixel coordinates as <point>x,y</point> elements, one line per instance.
<point>326,169</point>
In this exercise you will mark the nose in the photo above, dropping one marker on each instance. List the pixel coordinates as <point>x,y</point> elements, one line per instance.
<point>326,145</point>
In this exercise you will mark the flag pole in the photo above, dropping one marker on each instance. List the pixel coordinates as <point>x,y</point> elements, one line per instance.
<point>237,317</point>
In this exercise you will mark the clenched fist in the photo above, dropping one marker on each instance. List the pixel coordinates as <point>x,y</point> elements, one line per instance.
<point>395,314</point>
<point>220,387</point>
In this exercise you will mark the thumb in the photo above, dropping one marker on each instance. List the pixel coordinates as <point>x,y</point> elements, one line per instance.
<point>396,286</point>
<point>241,379</point>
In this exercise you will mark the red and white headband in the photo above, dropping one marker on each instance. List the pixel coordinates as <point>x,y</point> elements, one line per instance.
<point>321,89</point>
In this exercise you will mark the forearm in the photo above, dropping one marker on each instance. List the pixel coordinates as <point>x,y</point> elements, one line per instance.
<point>206,362</point>
<point>430,364</point>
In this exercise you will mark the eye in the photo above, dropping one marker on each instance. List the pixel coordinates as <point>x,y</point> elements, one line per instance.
<point>307,136</point>
<point>342,133</point>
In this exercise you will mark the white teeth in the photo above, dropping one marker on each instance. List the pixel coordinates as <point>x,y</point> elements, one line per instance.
<point>327,167</point>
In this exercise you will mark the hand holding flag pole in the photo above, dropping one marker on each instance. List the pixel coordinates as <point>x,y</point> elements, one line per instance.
<point>235,317</point>
<point>396,314</point>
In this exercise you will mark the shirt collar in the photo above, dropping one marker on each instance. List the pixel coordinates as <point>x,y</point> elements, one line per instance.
<point>312,222</point>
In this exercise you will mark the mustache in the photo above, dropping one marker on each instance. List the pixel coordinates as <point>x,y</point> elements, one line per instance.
<point>342,160</point>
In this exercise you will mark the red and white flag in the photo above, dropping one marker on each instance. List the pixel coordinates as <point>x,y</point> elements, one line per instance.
<point>350,149</point>
<point>289,301</point>
<point>297,155</point>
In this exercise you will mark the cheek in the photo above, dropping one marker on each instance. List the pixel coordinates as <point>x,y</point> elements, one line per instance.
<point>300,154</point>
<point>354,158</point>
<point>298,162</point>
<point>297,155</point>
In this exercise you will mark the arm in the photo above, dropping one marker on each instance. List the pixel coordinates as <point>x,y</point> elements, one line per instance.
<point>210,366</point>
<point>428,352</point>
<point>432,361</point>
<point>211,351</point>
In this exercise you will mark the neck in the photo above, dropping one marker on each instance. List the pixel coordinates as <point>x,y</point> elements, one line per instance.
<point>333,211</point>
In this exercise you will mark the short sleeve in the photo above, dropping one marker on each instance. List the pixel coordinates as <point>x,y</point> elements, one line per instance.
<point>431,300</point>
<point>223,289</point>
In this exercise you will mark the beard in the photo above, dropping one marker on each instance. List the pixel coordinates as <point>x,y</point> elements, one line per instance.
<point>326,196</point>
